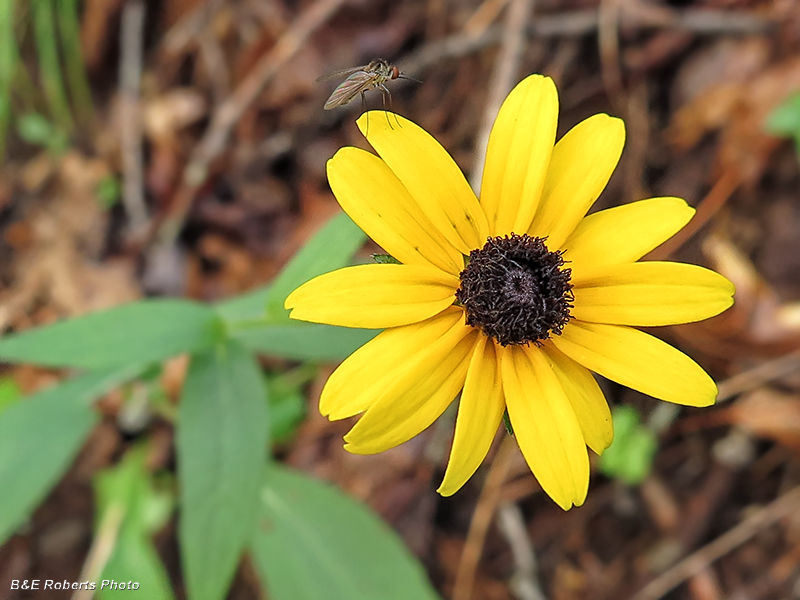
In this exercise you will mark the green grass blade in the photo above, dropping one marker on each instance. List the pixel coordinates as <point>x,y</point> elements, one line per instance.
<point>69,31</point>
<point>9,60</point>
<point>45,35</point>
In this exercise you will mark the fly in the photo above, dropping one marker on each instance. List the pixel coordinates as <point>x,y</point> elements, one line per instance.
<point>359,80</point>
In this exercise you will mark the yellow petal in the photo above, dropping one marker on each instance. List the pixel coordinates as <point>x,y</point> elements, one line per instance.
<point>586,397</point>
<point>416,396</point>
<point>374,296</point>
<point>431,176</point>
<point>650,294</point>
<point>637,360</point>
<point>365,374</point>
<point>480,411</point>
<point>583,161</point>
<point>369,192</point>
<point>545,425</point>
<point>624,233</point>
<point>518,155</point>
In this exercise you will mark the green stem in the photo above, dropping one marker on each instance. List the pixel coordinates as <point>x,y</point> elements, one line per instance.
<point>69,30</point>
<point>9,59</point>
<point>49,64</point>
<point>253,323</point>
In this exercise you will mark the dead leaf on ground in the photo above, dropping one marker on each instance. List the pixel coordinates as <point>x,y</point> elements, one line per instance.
<point>170,112</point>
<point>769,414</point>
<point>738,109</point>
<point>758,323</point>
<point>61,241</point>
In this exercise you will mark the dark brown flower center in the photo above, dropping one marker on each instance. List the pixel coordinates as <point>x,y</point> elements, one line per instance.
<point>516,290</point>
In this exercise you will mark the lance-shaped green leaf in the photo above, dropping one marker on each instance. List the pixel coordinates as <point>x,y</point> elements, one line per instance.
<point>331,248</point>
<point>40,436</point>
<point>247,308</point>
<point>315,543</point>
<point>271,331</point>
<point>222,445</point>
<point>304,341</point>
<point>146,331</point>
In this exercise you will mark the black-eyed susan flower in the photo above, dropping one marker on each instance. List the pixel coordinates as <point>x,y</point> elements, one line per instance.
<point>510,300</point>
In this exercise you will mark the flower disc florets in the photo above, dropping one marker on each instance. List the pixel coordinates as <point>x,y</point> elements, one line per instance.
<point>516,290</point>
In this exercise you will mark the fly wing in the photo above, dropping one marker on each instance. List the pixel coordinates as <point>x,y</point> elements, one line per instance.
<point>340,74</point>
<point>350,88</point>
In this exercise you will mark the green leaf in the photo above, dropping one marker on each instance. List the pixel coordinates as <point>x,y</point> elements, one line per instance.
<point>146,331</point>
<point>507,423</point>
<point>129,510</point>
<point>287,402</point>
<point>44,29</point>
<point>222,447</point>
<point>10,393</point>
<point>35,129</point>
<point>134,559</point>
<point>272,332</point>
<point>69,31</point>
<point>315,543</point>
<point>385,259</point>
<point>9,62</point>
<point>108,192</point>
<point>248,307</point>
<point>785,119</point>
<point>630,456</point>
<point>331,248</point>
<point>39,438</point>
<point>305,341</point>
<point>128,486</point>
<point>294,340</point>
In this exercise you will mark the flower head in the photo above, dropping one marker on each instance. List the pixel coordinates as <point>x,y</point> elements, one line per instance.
<point>511,300</point>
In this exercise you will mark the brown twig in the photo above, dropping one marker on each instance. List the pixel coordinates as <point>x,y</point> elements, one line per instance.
<point>105,540</point>
<point>503,79</point>
<point>212,54</point>
<point>583,22</point>
<point>228,112</point>
<point>130,78</point>
<point>608,22</point>
<point>757,376</point>
<point>483,17</point>
<point>738,535</point>
<point>637,121</point>
<point>482,518</point>
<point>525,580</point>
<point>701,21</point>
<point>725,186</point>
<point>740,384</point>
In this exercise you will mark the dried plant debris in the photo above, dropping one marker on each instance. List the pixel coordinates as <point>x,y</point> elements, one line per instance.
<point>232,144</point>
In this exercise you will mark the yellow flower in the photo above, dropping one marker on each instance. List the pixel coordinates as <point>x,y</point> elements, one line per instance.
<point>510,300</point>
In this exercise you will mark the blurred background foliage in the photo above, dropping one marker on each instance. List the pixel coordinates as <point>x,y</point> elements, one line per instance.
<point>162,191</point>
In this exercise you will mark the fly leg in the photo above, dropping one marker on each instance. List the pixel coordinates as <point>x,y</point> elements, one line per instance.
<point>387,94</point>
<point>384,94</point>
<point>364,108</point>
